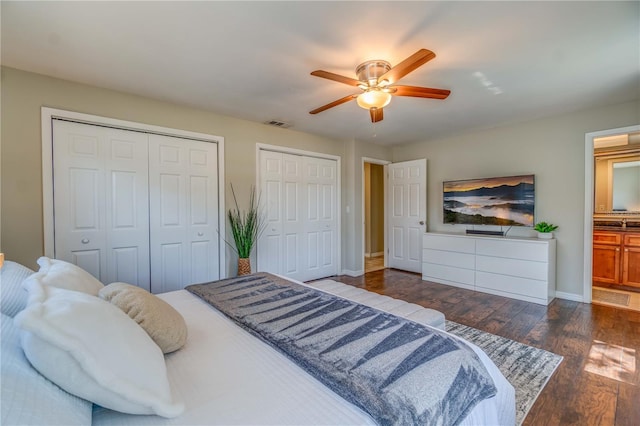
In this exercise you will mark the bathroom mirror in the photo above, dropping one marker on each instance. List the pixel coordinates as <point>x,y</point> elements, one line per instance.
<point>617,183</point>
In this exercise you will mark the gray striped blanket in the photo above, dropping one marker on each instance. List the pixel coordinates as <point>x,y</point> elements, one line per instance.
<point>396,370</point>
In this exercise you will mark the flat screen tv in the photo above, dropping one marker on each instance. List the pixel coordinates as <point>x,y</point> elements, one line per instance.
<point>503,201</point>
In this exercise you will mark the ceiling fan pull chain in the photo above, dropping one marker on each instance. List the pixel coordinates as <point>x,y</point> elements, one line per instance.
<point>374,129</point>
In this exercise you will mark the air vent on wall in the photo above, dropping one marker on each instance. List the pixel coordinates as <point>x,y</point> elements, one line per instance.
<point>278,123</point>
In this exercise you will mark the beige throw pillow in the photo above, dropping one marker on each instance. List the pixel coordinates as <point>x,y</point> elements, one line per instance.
<point>160,320</point>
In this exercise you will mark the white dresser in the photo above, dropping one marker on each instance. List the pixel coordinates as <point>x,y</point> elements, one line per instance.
<point>521,268</point>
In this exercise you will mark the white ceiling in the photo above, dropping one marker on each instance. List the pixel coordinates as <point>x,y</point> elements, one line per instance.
<point>503,61</point>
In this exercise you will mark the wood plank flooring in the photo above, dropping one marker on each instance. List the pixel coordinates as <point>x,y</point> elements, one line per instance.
<point>597,383</point>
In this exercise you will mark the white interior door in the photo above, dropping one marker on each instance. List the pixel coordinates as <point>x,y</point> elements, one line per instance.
<point>292,217</point>
<point>184,220</point>
<point>100,204</point>
<point>407,213</point>
<point>279,247</point>
<point>270,188</point>
<point>299,194</point>
<point>321,223</point>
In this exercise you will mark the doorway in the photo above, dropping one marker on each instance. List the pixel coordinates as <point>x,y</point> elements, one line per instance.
<point>592,212</point>
<point>374,202</point>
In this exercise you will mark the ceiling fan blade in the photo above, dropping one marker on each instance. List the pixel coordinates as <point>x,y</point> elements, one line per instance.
<point>376,114</point>
<point>334,103</point>
<point>419,58</point>
<point>337,77</point>
<point>420,92</point>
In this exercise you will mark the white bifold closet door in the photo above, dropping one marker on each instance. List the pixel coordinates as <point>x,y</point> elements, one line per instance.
<point>101,202</point>
<point>135,207</point>
<point>299,194</point>
<point>183,200</point>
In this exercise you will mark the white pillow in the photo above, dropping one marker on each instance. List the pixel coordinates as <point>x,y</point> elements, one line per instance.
<point>28,398</point>
<point>13,297</point>
<point>61,274</point>
<point>93,350</point>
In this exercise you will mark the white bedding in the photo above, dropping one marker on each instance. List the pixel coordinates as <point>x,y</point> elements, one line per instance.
<point>224,375</point>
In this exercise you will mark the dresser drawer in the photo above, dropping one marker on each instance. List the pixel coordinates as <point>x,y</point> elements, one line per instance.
<point>448,273</point>
<point>513,285</point>
<point>449,243</point>
<point>536,251</point>
<point>449,258</point>
<point>513,267</point>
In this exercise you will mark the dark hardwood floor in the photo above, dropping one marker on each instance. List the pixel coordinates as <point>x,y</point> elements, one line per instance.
<point>598,381</point>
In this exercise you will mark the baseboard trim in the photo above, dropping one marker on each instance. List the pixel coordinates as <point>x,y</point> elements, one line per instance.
<point>352,273</point>
<point>569,296</point>
<point>377,254</point>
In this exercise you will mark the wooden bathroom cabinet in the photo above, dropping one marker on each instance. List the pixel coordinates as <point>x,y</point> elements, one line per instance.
<point>616,257</point>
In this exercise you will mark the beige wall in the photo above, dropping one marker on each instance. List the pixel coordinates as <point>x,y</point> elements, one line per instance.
<point>602,185</point>
<point>373,208</point>
<point>23,94</point>
<point>551,148</point>
<point>377,208</point>
<point>352,190</point>
<point>367,209</point>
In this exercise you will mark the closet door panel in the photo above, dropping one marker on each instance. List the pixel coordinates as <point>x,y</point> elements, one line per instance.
<point>299,194</point>
<point>202,193</point>
<point>100,202</point>
<point>320,180</point>
<point>184,220</point>
<point>270,256</point>
<point>88,259</point>
<point>127,264</point>
<point>78,175</point>
<point>292,207</point>
<point>127,204</point>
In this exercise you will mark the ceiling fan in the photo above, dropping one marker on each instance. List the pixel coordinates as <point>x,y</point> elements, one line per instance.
<point>377,80</point>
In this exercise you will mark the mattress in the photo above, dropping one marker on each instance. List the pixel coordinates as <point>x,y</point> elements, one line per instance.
<point>226,376</point>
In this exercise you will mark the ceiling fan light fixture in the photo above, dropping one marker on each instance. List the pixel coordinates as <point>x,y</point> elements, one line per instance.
<point>373,98</point>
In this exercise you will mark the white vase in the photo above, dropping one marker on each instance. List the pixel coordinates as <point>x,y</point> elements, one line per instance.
<point>545,235</point>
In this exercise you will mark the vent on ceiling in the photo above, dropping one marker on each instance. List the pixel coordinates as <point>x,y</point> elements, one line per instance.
<point>278,123</point>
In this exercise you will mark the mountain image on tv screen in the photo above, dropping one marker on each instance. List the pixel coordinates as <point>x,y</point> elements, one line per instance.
<point>504,201</point>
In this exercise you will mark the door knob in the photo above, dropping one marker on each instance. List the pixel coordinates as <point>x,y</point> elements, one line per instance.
<point>200,234</point>
<point>421,222</point>
<point>85,241</point>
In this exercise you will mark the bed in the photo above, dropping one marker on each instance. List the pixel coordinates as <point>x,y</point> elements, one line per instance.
<point>225,375</point>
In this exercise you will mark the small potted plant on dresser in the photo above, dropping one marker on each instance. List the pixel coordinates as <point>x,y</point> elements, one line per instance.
<point>545,230</point>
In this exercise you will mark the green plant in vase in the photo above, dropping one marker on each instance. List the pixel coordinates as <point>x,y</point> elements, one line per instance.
<point>246,227</point>
<point>545,230</point>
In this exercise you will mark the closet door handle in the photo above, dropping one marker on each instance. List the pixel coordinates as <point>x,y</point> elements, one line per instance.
<point>200,234</point>
<point>85,241</point>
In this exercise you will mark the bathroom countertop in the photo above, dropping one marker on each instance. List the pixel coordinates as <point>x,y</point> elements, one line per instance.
<point>634,229</point>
